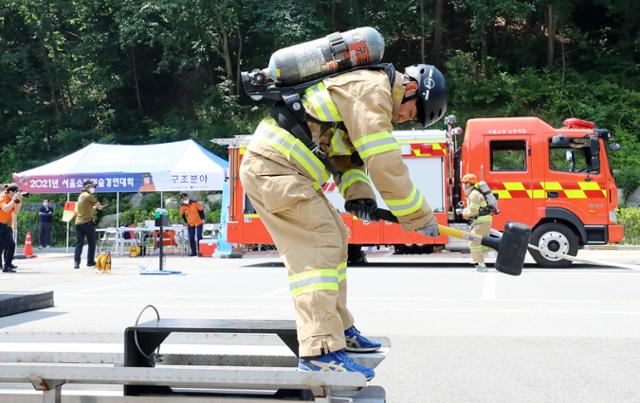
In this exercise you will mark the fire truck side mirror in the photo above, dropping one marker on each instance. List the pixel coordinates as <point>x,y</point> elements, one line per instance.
<point>569,157</point>
<point>450,120</point>
<point>614,146</point>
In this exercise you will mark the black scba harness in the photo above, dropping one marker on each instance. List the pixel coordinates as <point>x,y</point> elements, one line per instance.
<point>289,113</point>
<point>482,211</point>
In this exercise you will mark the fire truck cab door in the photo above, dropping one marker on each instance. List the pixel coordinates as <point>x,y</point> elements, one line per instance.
<point>509,169</point>
<point>574,178</point>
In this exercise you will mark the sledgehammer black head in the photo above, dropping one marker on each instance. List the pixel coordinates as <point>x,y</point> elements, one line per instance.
<point>511,247</point>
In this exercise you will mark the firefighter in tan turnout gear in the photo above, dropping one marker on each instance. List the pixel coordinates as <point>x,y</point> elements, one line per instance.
<point>350,118</point>
<point>477,211</point>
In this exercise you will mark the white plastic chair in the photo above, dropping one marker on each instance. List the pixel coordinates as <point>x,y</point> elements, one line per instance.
<point>121,241</point>
<point>109,240</point>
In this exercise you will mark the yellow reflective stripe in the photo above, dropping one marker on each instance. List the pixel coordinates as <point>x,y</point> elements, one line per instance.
<point>342,271</point>
<point>352,176</point>
<point>317,99</point>
<point>575,194</point>
<point>589,185</point>
<point>513,186</point>
<point>406,206</point>
<point>551,185</point>
<point>537,194</point>
<point>315,287</point>
<point>503,194</point>
<point>313,280</point>
<point>338,146</point>
<point>298,156</point>
<point>289,146</point>
<point>379,150</point>
<point>312,273</point>
<point>375,143</point>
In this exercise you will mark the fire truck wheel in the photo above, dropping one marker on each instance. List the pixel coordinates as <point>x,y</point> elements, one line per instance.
<point>555,237</point>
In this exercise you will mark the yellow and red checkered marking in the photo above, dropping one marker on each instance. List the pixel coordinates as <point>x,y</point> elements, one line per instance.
<point>539,190</point>
<point>428,150</point>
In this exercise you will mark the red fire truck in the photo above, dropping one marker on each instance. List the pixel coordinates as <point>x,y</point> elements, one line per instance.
<point>558,181</point>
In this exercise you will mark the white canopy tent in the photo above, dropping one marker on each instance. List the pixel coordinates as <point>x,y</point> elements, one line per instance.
<point>178,166</point>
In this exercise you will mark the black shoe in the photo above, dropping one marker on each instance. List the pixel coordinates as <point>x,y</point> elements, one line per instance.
<point>10,266</point>
<point>76,265</point>
<point>8,270</point>
<point>92,265</point>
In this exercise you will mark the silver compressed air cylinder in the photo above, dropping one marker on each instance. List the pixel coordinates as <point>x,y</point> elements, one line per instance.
<point>336,52</point>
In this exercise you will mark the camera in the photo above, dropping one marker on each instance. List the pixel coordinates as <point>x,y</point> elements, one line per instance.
<point>24,194</point>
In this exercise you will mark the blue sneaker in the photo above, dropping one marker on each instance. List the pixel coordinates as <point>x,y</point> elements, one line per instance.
<point>357,343</point>
<point>338,361</point>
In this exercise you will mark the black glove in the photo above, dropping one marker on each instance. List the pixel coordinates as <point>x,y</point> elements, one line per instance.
<point>364,209</point>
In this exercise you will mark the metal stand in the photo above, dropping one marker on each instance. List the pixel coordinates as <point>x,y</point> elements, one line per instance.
<point>236,375</point>
<point>142,340</point>
<point>160,270</point>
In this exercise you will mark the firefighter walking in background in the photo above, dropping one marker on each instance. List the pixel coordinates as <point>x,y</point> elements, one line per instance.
<point>193,215</point>
<point>349,117</point>
<point>479,214</point>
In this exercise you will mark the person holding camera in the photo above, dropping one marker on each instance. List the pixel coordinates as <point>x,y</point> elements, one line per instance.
<point>9,206</point>
<point>85,226</point>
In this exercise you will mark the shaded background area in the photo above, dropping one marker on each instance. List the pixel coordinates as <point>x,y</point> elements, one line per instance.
<point>74,72</point>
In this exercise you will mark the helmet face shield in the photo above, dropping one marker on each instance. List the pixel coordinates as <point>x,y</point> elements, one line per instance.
<point>432,92</point>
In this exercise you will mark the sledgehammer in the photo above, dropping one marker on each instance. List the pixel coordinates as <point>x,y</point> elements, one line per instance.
<point>511,246</point>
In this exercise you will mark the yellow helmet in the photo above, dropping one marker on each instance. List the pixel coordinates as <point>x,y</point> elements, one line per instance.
<point>470,178</point>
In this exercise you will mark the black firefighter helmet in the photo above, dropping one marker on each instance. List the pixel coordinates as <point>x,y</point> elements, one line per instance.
<point>432,92</point>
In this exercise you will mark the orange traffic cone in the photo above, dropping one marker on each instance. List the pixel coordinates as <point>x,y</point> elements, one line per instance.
<point>28,250</point>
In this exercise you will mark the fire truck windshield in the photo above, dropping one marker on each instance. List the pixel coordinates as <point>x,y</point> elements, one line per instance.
<point>575,157</point>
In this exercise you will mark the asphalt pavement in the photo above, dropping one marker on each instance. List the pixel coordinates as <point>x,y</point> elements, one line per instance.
<point>549,335</point>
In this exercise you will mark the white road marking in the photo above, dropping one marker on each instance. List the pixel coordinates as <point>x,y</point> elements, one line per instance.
<point>489,287</point>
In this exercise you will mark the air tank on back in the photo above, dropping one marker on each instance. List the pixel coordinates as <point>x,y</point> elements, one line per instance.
<point>492,202</point>
<point>336,52</point>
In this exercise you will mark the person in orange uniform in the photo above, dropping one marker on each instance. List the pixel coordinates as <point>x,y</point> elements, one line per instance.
<point>193,215</point>
<point>9,205</point>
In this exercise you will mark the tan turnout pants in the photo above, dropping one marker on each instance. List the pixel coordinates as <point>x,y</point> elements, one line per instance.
<point>312,241</point>
<point>481,228</point>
